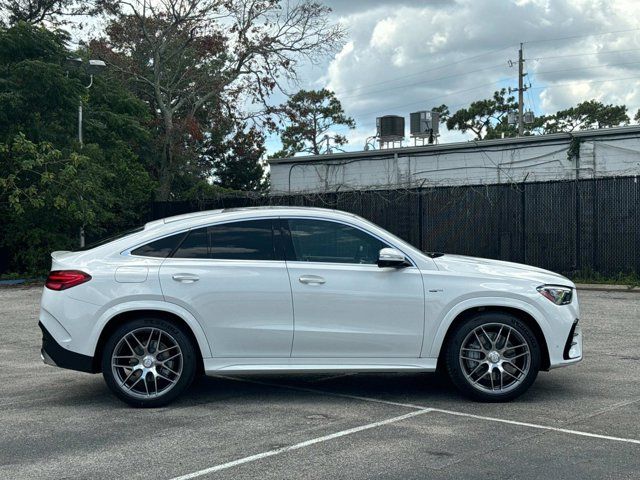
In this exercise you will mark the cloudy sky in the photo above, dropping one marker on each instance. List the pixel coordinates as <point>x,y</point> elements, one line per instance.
<point>404,56</point>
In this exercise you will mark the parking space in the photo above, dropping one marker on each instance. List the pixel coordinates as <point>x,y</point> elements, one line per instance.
<point>579,422</point>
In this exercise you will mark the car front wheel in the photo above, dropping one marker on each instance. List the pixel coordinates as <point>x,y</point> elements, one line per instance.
<point>493,357</point>
<point>148,362</point>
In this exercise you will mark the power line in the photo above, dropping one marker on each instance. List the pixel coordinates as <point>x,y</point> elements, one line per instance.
<point>587,82</point>
<point>439,67</point>
<point>466,59</point>
<point>424,83</point>
<point>489,68</point>
<point>439,96</point>
<point>364,87</point>
<point>493,83</point>
<point>532,103</point>
<point>581,36</point>
<point>587,54</point>
<point>587,68</point>
<point>521,74</point>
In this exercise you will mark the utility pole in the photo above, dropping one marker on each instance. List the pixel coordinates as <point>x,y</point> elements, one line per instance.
<point>521,89</point>
<point>521,75</point>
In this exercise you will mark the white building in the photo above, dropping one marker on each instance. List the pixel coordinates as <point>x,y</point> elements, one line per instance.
<point>602,153</point>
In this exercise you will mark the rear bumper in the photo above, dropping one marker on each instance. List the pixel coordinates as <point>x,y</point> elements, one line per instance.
<point>52,353</point>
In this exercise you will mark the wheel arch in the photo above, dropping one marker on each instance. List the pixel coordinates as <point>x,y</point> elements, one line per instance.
<point>120,318</point>
<point>526,317</point>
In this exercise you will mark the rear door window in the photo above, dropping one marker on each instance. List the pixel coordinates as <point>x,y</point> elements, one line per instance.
<point>196,245</point>
<point>247,240</point>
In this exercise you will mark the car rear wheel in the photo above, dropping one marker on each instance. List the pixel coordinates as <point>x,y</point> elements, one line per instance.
<point>493,357</point>
<point>148,362</point>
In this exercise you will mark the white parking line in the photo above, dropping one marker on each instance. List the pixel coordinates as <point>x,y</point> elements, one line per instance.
<point>534,425</point>
<point>449,412</point>
<point>298,446</point>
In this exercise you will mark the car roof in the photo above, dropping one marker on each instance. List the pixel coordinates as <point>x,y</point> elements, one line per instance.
<point>220,213</point>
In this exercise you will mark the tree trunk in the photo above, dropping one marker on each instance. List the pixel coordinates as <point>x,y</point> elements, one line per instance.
<point>163,191</point>
<point>166,173</point>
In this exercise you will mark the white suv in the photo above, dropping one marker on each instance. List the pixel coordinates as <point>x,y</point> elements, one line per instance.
<point>298,290</point>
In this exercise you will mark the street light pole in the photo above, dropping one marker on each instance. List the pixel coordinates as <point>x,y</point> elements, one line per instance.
<point>80,111</point>
<point>80,123</point>
<point>93,68</point>
<point>82,232</point>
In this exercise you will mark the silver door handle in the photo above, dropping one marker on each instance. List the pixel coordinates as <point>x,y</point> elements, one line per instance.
<point>311,280</point>
<point>185,277</point>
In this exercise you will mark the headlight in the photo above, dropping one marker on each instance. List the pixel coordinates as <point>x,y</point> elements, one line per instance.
<point>558,295</point>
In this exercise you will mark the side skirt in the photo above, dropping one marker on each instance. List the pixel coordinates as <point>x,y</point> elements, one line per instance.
<point>213,366</point>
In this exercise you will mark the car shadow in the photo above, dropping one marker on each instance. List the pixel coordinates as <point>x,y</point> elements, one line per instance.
<point>423,389</point>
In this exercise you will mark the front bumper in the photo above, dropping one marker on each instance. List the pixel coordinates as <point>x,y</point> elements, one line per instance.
<point>52,353</point>
<point>573,346</point>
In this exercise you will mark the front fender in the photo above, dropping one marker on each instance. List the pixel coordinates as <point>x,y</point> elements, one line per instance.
<point>161,306</point>
<point>433,341</point>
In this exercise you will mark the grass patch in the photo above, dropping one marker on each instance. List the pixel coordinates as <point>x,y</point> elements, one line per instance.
<point>629,279</point>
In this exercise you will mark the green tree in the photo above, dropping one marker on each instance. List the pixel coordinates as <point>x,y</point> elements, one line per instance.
<point>310,119</point>
<point>49,185</point>
<point>485,118</point>
<point>586,115</point>
<point>193,59</point>
<point>444,112</point>
<point>238,162</point>
<point>37,97</point>
<point>38,11</point>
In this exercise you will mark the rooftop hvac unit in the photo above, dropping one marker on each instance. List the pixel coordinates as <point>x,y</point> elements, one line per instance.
<point>390,128</point>
<point>424,124</point>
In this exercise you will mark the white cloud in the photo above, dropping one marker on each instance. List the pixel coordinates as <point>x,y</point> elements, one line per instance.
<point>413,55</point>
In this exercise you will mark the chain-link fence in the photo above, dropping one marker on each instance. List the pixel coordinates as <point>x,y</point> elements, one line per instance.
<point>565,226</point>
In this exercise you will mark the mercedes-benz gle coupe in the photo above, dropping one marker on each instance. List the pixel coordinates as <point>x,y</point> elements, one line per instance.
<point>259,290</point>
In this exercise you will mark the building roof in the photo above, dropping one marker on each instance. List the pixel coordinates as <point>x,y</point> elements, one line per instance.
<point>472,144</point>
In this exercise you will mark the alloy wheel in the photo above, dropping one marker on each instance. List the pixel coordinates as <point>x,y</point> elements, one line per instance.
<point>495,358</point>
<point>147,363</point>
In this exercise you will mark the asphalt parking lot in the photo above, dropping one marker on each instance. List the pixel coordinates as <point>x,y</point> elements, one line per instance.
<point>580,422</point>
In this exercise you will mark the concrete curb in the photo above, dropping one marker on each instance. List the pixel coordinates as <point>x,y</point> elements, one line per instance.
<point>21,282</point>
<point>595,287</point>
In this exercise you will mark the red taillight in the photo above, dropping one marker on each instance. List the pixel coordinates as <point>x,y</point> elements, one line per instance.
<point>63,279</point>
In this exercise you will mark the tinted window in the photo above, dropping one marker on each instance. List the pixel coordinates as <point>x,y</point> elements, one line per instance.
<point>196,245</point>
<point>250,240</point>
<point>159,248</point>
<point>322,241</point>
<point>112,238</point>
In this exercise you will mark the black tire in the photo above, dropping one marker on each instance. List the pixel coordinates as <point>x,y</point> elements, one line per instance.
<point>166,331</point>
<point>492,321</point>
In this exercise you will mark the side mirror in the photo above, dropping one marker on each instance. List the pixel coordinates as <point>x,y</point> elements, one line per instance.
<point>390,257</point>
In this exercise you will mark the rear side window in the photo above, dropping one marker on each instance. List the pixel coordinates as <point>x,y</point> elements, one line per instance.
<point>113,238</point>
<point>250,240</point>
<point>161,248</point>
